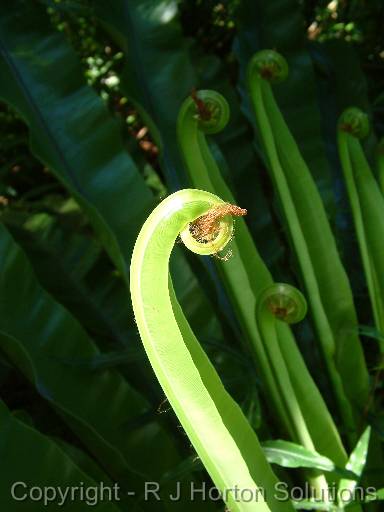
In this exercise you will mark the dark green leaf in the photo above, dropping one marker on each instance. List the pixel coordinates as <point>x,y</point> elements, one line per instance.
<point>97,407</point>
<point>158,75</point>
<point>71,129</point>
<point>33,458</point>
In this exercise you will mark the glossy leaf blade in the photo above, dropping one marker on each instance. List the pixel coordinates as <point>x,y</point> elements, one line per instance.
<point>46,466</point>
<point>356,464</point>
<point>292,455</point>
<point>71,129</point>
<point>101,408</point>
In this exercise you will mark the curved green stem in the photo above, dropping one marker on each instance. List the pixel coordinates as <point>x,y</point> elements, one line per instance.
<point>259,87</point>
<point>218,430</point>
<point>283,302</point>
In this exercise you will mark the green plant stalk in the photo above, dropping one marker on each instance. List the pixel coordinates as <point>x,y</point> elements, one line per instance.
<point>259,90</point>
<point>372,203</point>
<point>380,164</point>
<point>245,276</point>
<point>358,221</point>
<point>266,321</point>
<point>221,435</point>
<point>333,284</point>
<point>282,302</point>
<point>367,205</point>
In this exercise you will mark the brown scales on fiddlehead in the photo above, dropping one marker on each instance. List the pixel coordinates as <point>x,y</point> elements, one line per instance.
<point>204,112</point>
<point>355,122</point>
<point>284,302</point>
<point>281,312</point>
<point>210,110</point>
<point>205,228</point>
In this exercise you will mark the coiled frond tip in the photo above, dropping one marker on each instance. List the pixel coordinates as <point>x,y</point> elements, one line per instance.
<point>355,122</point>
<point>210,233</point>
<point>270,65</point>
<point>212,110</point>
<point>284,302</point>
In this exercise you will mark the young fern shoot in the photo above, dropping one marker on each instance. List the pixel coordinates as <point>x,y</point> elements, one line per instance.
<point>215,425</point>
<point>367,205</point>
<point>328,291</point>
<point>283,303</point>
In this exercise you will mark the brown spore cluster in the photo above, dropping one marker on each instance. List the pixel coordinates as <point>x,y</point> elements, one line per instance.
<point>205,228</point>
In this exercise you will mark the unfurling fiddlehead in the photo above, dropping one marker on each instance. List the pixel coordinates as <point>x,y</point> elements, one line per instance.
<point>203,113</point>
<point>270,65</point>
<point>355,122</point>
<point>212,110</point>
<point>367,205</point>
<point>210,233</point>
<point>327,287</point>
<point>283,302</point>
<point>218,430</point>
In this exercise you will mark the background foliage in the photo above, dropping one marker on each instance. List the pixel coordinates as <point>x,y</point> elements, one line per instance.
<point>90,95</point>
